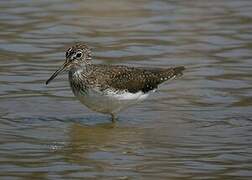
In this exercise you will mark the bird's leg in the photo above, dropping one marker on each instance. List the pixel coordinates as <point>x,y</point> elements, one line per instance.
<point>113,117</point>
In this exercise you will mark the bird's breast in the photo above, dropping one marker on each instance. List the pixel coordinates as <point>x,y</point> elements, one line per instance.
<point>78,82</point>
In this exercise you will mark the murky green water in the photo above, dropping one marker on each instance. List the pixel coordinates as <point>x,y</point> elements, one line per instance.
<point>197,127</point>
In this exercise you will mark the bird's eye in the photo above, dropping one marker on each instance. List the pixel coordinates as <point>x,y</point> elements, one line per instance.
<point>78,54</point>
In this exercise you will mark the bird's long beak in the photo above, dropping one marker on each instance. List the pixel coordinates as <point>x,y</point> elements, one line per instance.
<point>61,69</point>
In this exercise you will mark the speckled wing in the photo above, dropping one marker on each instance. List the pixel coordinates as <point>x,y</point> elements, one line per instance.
<point>138,79</point>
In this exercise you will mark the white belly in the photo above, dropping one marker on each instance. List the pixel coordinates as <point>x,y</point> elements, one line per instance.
<point>109,102</point>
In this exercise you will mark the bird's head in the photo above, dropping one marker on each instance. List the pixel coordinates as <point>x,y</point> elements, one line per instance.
<point>79,55</point>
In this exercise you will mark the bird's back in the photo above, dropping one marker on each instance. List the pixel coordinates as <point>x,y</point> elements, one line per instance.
<point>131,79</point>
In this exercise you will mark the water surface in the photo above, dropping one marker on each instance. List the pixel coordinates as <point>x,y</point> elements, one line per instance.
<point>199,126</point>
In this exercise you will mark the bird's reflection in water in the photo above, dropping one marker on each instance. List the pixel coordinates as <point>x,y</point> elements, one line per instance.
<point>103,146</point>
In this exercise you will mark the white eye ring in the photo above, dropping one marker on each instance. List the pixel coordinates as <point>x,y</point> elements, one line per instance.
<point>78,54</point>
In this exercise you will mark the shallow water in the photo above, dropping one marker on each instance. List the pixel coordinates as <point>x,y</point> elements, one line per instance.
<point>198,126</point>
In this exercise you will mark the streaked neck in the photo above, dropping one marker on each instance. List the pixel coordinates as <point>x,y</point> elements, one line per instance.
<point>80,69</point>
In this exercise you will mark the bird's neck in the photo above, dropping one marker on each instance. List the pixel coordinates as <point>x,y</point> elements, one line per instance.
<point>78,78</point>
<point>77,70</point>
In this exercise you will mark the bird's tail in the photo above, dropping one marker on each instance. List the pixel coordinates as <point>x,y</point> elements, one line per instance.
<point>171,73</point>
<point>178,71</point>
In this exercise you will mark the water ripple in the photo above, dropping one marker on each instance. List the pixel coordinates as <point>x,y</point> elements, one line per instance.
<point>196,126</point>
